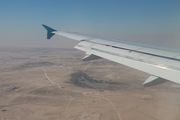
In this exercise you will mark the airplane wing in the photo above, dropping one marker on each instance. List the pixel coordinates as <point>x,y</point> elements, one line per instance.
<point>162,63</point>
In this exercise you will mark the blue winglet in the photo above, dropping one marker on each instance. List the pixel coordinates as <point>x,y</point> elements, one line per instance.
<point>49,31</point>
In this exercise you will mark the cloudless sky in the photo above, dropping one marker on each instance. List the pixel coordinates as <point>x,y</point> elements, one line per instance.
<point>150,21</point>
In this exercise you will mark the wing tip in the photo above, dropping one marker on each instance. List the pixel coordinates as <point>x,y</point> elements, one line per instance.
<point>49,31</point>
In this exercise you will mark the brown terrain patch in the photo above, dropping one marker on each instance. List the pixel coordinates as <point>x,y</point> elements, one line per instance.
<point>54,84</point>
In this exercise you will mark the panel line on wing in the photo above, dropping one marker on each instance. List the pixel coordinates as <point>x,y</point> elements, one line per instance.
<point>140,60</point>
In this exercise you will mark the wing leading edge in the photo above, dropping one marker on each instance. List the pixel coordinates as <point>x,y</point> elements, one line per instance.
<point>162,63</point>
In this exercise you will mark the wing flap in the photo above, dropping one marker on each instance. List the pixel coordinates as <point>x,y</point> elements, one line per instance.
<point>131,59</point>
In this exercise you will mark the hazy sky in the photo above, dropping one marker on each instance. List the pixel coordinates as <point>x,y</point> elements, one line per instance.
<point>151,21</point>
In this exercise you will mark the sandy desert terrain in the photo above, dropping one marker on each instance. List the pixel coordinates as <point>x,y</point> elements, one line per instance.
<point>54,84</point>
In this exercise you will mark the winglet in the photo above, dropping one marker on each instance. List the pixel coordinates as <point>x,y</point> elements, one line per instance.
<point>49,31</point>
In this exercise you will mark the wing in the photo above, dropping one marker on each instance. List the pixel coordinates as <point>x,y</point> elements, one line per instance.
<point>162,63</point>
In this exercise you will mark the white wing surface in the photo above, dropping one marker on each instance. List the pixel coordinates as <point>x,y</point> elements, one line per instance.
<point>162,63</point>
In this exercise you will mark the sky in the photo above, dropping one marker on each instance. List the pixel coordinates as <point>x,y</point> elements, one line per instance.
<point>148,21</point>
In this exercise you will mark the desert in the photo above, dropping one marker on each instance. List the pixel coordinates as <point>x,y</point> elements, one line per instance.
<point>55,84</point>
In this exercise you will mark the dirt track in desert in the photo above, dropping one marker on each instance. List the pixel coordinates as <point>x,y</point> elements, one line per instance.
<point>54,84</point>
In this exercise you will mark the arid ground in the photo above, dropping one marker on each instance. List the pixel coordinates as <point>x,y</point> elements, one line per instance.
<point>54,84</point>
